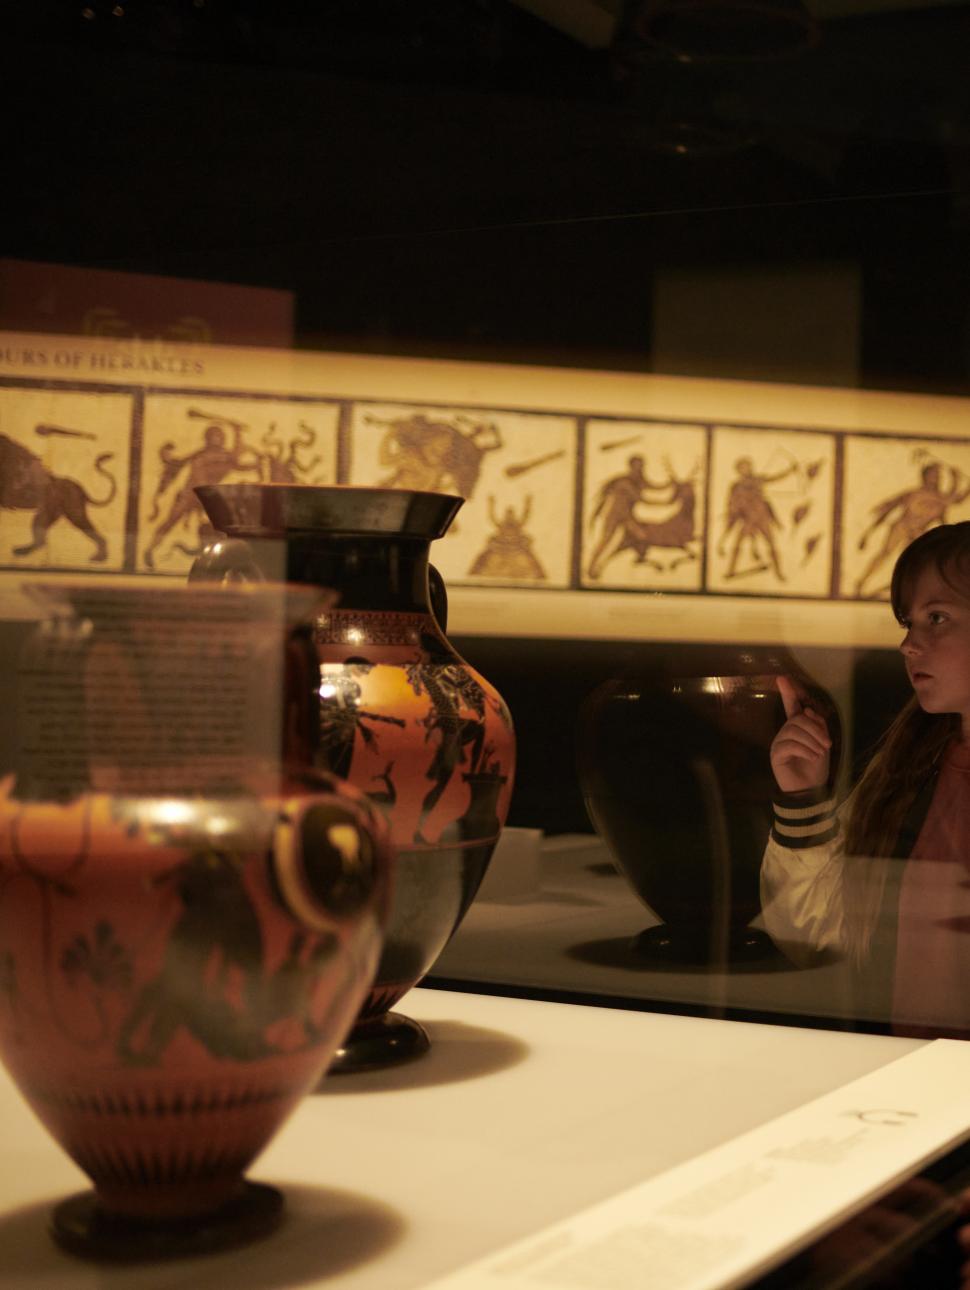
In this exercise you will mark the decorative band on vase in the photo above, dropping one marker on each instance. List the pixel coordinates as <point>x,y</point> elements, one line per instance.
<point>160,1104</point>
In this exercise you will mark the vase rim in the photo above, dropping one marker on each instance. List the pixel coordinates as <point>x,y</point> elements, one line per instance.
<point>274,509</point>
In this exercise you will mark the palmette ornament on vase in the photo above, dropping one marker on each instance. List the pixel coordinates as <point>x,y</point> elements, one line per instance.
<point>188,921</point>
<point>402,716</point>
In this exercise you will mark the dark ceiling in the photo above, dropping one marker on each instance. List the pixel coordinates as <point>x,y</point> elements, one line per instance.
<point>462,176</point>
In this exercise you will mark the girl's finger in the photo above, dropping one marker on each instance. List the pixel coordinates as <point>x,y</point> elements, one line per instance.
<point>790,696</point>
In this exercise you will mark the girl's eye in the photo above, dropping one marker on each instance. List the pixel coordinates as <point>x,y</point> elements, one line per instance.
<point>937,617</point>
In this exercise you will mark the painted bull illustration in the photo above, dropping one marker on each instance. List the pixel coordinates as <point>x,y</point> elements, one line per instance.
<point>27,485</point>
<point>675,533</point>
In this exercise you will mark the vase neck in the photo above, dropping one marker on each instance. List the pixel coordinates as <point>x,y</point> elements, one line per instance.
<point>378,573</point>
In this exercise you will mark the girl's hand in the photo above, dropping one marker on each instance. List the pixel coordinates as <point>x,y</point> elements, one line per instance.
<point>800,749</point>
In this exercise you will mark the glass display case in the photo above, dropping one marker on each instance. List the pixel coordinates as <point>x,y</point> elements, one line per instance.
<point>672,296</point>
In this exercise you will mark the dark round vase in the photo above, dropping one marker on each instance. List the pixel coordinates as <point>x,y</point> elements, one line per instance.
<point>675,772</point>
<point>402,717</point>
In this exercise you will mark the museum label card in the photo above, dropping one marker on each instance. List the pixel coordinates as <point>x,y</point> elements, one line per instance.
<point>734,1212</point>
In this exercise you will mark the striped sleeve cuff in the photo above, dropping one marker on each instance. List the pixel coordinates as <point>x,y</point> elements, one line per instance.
<point>805,819</point>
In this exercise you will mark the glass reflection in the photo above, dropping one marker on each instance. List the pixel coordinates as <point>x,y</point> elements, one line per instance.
<point>883,877</point>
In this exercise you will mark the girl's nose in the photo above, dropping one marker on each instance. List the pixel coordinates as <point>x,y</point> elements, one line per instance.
<point>908,644</point>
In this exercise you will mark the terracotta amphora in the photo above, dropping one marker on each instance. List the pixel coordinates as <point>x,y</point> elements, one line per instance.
<point>403,717</point>
<point>190,916</point>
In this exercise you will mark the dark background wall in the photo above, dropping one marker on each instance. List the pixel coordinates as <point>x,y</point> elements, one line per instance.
<point>465,179</point>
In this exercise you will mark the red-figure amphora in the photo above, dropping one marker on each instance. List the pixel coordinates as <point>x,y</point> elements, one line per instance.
<point>403,717</point>
<point>190,915</point>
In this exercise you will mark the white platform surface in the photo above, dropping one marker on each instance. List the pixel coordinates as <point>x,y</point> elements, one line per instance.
<point>522,1114</point>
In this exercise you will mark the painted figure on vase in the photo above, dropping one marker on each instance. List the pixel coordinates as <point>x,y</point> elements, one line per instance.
<point>343,720</point>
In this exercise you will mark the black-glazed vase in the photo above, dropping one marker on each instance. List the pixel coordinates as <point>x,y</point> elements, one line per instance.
<point>676,778</point>
<point>403,718</point>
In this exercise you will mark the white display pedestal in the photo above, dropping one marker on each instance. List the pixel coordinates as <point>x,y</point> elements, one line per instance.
<point>523,1114</point>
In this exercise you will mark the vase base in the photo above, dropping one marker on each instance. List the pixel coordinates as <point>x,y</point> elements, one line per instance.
<point>80,1226</point>
<point>385,1041</point>
<point>666,944</point>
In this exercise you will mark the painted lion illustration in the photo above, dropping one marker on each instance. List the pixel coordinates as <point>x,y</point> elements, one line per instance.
<point>27,485</point>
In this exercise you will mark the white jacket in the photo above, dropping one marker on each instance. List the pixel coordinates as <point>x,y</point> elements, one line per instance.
<point>801,874</point>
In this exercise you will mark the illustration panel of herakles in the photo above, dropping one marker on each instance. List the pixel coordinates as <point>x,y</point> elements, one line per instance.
<point>895,490</point>
<point>213,439</point>
<point>644,484</point>
<point>516,471</point>
<point>64,474</point>
<point>772,512</point>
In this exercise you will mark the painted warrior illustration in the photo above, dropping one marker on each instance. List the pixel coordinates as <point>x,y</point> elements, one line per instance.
<point>910,513</point>
<point>27,485</point>
<point>342,719</point>
<point>508,551</point>
<point>209,464</point>
<point>435,456</point>
<point>460,738</point>
<point>614,508</point>
<point>281,463</point>
<point>752,519</point>
<point>216,931</point>
<point>676,532</point>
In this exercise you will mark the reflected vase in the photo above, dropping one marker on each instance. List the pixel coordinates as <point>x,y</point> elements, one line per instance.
<point>675,773</point>
<point>189,916</point>
<point>403,717</point>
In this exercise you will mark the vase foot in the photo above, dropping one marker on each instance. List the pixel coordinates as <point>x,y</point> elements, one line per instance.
<point>385,1041</point>
<point>80,1226</point>
<point>666,944</point>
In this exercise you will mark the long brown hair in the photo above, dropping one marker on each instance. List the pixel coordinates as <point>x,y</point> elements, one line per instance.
<point>908,754</point>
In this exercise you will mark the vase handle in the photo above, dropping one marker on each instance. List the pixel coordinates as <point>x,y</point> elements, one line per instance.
<point>225,560</point>
<point>439,597</point>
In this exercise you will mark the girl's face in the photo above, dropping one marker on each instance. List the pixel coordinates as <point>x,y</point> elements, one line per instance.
<point>936,646</point>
